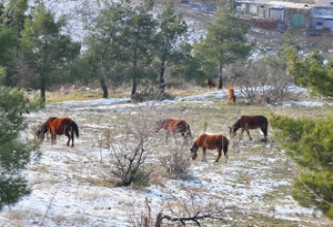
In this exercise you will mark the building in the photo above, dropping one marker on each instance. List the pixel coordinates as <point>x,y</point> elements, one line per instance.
<point>322,16</point>
<point>295,15</point>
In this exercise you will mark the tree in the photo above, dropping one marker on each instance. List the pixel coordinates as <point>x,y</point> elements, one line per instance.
<point>12,20</point>
<point>104,54</point>
<point>312,73</point>
<point>137,42</point>
<point>14,153</point>
<point>224,43</point>
<point>171,27</point>
<point>310,143</point>
<point>45,49</point>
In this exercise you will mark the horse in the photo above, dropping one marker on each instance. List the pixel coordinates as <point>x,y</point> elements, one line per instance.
<point>210,142</point>
<point>210,83</point>
<point>174,126</point>
<point>231,95</point>
<point>247,122</point>
<point>59,126</point>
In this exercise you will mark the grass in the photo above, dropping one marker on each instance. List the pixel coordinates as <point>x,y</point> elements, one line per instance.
<point>77,95</point>
<point>213,115</point>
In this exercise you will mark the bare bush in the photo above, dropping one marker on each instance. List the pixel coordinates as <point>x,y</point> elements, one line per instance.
<point>263,81</point>
<point>176,162</point>
<point>129,153</point>
<point>190,209</point>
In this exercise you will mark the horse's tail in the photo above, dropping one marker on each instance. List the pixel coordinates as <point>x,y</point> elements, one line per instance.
<point>225,147</point>
<point>75,128</point>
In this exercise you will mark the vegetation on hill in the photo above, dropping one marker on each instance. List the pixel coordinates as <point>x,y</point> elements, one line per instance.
<point>310,143</point>
<point>127,44</point>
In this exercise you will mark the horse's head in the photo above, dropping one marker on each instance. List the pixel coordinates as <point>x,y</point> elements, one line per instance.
<point>39,132</point>
<point>232,131</point>
<point>184,129</point>
<point>194,150</point>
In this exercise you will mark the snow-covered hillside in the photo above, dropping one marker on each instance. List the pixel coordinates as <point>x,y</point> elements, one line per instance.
<point>69,185</point>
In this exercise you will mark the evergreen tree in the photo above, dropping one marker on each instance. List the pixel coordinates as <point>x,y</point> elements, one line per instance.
<point>45,49</point>
<point>138,43</point>
<point>12,24</point>
<point>312,73</point>
<point>14,153</point>
<point>224,43</point>
<point>310,143</point>
<point>104,54</point>
<point>171,27</point>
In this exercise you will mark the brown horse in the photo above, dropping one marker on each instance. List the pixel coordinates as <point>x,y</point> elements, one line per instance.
<point>250,122</point>
<point>174,126</point>
<point>210,142</point>
<point>231,95</point>
<point>59,126</point>
<point>210,83</point>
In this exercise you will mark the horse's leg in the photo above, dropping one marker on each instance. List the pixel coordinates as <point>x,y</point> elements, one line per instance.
<point>248,132</point>
<point>52,138</point>
<point>264,130</point>
<point>204,159</point>
<point>167,137</point>
<point>219,154</point>
<point>72,135</point>
<point>69,137</point>
<point>241,134</point>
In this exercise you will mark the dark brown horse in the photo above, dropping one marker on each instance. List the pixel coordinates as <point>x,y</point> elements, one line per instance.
<point>250,122</point>
<point>59,126</point>
<point>174,126</point>
<point>210,142</point>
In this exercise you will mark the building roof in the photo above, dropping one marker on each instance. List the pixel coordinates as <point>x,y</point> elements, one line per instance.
<point>293,5</point>
<point>280,4</point>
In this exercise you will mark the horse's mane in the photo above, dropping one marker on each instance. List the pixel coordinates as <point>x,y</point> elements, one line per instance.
<point>237,124</point>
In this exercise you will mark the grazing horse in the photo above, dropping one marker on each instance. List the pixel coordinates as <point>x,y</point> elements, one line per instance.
<point>174,126</point>
<point>59,126</point>
<point>231,95</point>
<point>250,122</point>
<point>210,142</point>
<point>210,83</point>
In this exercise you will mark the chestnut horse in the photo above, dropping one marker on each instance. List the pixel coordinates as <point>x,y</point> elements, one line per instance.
<point>59,126</point>
<point>231,95</point>
<point>250,122</point>
<point>174,126</point>
<point>210,142</point>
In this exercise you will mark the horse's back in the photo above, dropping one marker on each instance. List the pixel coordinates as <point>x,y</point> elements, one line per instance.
<point>211,141</point>
<point>60,125</point>
<point>253,121</point>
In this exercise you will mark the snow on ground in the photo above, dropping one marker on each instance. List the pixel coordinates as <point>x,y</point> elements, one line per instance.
<point>64,192</point>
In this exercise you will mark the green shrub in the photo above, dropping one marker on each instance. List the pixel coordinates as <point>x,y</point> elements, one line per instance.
<point>310,143</point>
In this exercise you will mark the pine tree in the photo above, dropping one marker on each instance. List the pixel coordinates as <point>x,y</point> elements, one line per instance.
<point>171,28</point>
<point>14,153</point>
<point>224,43</point>
<point>103,54</point>
<point>310,143</point>
<point>138,43</point>
<point>45,49</point>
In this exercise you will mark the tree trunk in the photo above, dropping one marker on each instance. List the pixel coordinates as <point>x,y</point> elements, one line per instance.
<point>42,88</point>
<point>162,69</point>
<point>104,88</point>
<point>220,77</point>
<point>134,72</point>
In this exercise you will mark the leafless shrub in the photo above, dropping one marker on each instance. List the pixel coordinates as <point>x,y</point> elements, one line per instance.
<point>189,210</point>
<point>176,162</point>
<point>130,153</point>
<point>263,81</point>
